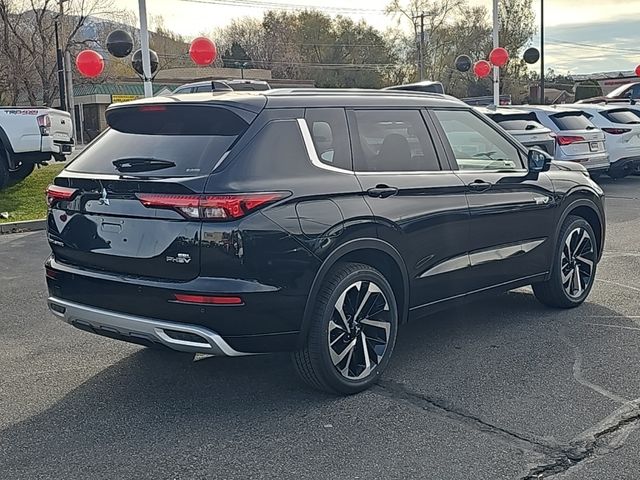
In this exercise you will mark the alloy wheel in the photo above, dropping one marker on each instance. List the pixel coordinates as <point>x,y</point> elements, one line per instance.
<point>577,262</point>
<point>359,330</point>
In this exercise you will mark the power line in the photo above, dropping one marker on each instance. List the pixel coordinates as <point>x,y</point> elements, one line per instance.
<point>591,46</point>
<point>270,5</point>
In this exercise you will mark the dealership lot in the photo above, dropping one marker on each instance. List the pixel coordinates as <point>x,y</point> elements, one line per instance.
<point>503,388</point>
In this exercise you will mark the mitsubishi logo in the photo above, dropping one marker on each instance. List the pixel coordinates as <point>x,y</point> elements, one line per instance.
<point>103,199</point>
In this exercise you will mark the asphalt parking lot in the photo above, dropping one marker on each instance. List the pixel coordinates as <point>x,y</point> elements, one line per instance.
<point>500,389</point>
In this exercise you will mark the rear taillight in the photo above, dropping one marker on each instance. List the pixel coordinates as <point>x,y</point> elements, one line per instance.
<point>44,122</point>
<point>57,193</point>
<point>211,207</point>
<point>616,131</point>
<point>208,299</point>
<point>568,139</point>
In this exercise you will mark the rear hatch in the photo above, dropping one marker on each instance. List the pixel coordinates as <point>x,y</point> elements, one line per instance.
<point>129,203</point>
<point>626,128</point>
<point>525,127</point>
<point>577,137</point>
<point>61,127</point>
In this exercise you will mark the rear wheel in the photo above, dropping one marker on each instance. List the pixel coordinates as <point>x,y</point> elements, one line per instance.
<point>353,331</point>
<point>22,172</point>
<point>574,267</point>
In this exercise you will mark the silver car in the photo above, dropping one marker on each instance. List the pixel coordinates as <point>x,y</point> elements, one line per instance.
<point>577,139</point>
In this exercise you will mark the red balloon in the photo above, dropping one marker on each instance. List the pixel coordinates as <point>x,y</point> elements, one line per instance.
<point>482,68</point>
<point>499,57</point>
<point>203,51</point>
<point>638,71</point>
<point>90,63</point>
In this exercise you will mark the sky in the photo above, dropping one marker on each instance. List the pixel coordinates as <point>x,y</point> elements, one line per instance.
<point>581,36</point>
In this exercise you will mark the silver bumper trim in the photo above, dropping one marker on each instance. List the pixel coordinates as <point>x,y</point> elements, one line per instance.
<point>132,326</point>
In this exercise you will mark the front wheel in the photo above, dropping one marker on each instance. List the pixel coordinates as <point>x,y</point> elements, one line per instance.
<point>353,331</point>
<point>574,267</point>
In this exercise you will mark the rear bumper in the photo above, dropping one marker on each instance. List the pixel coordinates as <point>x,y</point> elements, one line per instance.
<point>146,331</point>
<point>627,165</point>
<point>51,145</point>
<point>599,162</point>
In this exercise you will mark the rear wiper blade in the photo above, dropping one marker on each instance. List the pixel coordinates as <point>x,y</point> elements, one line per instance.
<point>141,164</point>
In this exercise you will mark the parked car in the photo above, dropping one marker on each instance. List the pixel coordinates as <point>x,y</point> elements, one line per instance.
<point>190,224</point>
<point>523,126</point>
<point>621,126</point>
<point>222,85</point>
<point>425,87</point>
<point>29,136</point>
<point>577,139</point>
<point>625,93</point>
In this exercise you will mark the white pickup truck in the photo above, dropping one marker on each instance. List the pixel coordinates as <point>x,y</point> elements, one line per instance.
<point>29,136</point>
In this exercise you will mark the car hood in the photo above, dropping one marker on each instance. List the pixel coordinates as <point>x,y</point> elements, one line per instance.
<point>568,166</point>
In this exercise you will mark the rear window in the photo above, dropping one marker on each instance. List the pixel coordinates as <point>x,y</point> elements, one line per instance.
<point>622,116</point>
<point>572,121</point>
<point>524,121</point>
<point>162,141</point>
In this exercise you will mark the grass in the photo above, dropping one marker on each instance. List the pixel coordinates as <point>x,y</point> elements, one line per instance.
<point>26,200</point>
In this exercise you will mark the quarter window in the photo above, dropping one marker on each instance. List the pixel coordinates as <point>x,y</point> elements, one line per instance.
<point>328,127</point>
<point>475,144</point>
<point>392,141</point>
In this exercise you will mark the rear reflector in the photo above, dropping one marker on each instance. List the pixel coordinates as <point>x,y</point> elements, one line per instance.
<point>616,131</point>
<point>208,300</point>
<point>211,207</point>
<point>568,139</point>
<point>57,193</point>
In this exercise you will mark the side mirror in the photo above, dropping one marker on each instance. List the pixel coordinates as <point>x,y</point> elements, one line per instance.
<point>538,160</point>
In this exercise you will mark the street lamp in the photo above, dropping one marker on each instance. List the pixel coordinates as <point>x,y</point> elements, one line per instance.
<point>542,99</point>
<point>241,66</point>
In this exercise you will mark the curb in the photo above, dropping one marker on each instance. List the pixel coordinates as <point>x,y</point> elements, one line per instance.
<point>26,226</point>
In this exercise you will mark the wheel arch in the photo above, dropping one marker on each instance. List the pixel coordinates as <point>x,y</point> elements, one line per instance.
<point>371,251</point>
<point>585,207</point>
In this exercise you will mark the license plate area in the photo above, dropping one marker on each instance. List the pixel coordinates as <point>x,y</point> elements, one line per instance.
<point>594,146</point>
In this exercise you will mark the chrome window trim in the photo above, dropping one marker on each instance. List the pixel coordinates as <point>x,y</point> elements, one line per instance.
<point>315,160</point>
<point>311,150</point>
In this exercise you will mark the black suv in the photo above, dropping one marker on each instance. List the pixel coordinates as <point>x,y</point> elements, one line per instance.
<point>308,221</point>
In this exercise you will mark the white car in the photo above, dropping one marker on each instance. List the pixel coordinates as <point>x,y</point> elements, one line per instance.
<point>577,139</point>
<point>523,126</point>
<point>621,126</point>
<point>31,135</point>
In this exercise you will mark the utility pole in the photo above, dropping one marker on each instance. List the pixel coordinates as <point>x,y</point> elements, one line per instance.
<point>144,45</point>
<point>542,98</point>
<point>496,44</point>
<point>421,43</point>
<point>70,98</point>
<point>61,84</point>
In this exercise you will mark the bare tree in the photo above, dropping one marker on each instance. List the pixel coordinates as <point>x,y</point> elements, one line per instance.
<point>28,40</point>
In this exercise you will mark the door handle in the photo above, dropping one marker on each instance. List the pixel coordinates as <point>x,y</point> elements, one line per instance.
<point>382,191</point>
<point>479,186</point>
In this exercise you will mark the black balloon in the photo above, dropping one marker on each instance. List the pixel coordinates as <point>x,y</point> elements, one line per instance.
<point>531,55</point>
<point>136,61</point>
<point>463,63</point>
<point>119,43</point>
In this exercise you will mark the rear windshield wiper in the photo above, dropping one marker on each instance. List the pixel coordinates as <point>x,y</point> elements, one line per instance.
<point>141,164</point>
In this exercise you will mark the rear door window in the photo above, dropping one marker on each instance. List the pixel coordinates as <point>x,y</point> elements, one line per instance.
<point>571,121</point>
<point>330,135</point>
<point>163,141</point>
<point>624,116</point>
<point>392,141</point>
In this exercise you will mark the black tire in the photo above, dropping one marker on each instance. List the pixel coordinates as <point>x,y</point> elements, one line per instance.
<point>315,362</point>
<point>618,173</point>
<point>22,172</point>
<point>4,172</point>
<point>559,292</point>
